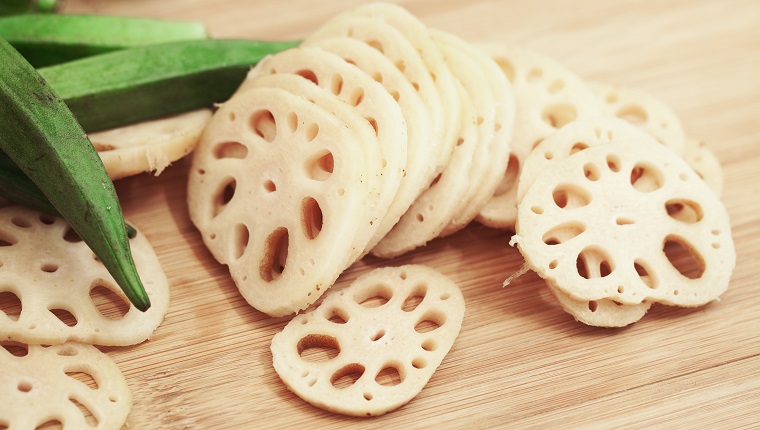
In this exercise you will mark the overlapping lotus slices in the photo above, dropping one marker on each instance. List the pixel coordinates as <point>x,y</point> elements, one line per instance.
<point>359,101</point>
<point>149,146</point>
<point>407,43</point>
<point>449,194</point>
<point>631,223</point>
<point>371,347</point>
<point>704,161</point>
<point>70,386</point>
<point>279,190</point>
<point>419,169</point>
<point>547,96</point>
<point>53,289</point>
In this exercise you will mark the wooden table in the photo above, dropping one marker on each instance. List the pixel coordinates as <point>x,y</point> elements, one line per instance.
<point>520,361</point>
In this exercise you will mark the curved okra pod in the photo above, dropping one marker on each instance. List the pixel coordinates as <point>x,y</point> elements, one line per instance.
<point>50,39</point>
<point>132,85</point>
<point>42,137</point>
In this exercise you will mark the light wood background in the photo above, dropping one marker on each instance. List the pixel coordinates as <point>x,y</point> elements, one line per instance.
<point>519,361</point>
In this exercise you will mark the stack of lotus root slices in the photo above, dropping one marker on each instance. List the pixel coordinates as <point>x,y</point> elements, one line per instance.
<point>378,134</point>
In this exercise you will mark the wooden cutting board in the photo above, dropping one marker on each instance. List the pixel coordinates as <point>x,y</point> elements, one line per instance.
<point>519,361</point>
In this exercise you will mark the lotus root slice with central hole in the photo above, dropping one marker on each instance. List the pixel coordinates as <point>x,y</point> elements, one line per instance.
<point>643,227</point>
<point>277,191</point>
<point>73,385</point>
<point>65,293</point>
<point>547,96</point>
<point>371,347</point>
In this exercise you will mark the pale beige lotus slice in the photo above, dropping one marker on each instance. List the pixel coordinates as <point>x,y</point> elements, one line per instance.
<point>437,94</point>
<point>436,206</point>
<point>362,104</point>
<point>704,161</point>
<point>382,338</point>
<point>72,386</point>
<point>643,110</point>
<point>149,146</point>
<point>358,125</point>
<point>419,170</point>
<point>278,192</point>
<point>54,290</point>
<point>495,106</point>
<point>600,313</point>
<point>572,138</point>
<point>547,96</point>
<point>631,206</point>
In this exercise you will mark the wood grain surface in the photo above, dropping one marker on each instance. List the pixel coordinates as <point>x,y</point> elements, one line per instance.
<point>520,361</point>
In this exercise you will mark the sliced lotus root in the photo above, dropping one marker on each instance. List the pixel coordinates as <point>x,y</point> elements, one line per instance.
<point>427,74</point>
<point>573,137</point>
<point>70,386</point>
<point>655,230</point>
<point>600,313</point>
<point>435,207</point>
<point>278,192</point>
<point>371,347</point>
<point>53,289</point>
<point>420,171</point>
<point>149,146</point>
<point>374,108</point>
<point>494,102</point>
<point>307,89</point>
<point>547,96</point>
<point>643,110</point>
<point>705,163</point>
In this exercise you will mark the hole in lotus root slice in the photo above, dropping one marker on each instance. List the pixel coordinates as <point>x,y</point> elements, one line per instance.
<point>684,210</point>
<point>110,304</point>
<point>644,273</point>
<point>65,316</point>
<point>591,172</point>
<point>89,418</point>
<point>578,147</point>
<point>20,221</point>
<point>684,257</point>
<point>613,162</point>
<point>390,375</point>
<point>430,321</point>
<point>10,305</point>
<point>308,74</point>
<point>71,236</point>
<point>336,84</point>
<point>336,315</point>
<point>230,150</point>
<point>13,348</point>
<point>646,178</point>
<point>510,176</point>
<point>223,195</point>
<point>558,115</point>
<point>594,262</point>
<point>47,219</point>
<point>318,347</point>
<point>263,124</point>
<point>564,232</point>
<point>375,296</point>
<point>320,166</point>
<point>311,218</point>
<point>240,238</point>
<point>80,374</point>
<point>415,297</point>
<point>570,196</point>
<point>357,97</point>
<point>275,256</point>
<point>634,114</point>
<point>347,375</point>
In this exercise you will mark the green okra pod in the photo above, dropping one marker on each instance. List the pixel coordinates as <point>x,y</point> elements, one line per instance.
<point>41,136</point>
<point>50,39</point>
<point>132,85</point>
